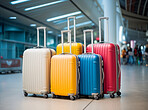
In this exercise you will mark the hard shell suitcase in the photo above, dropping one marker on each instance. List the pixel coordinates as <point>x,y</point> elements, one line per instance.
<point>111,58</point>
<point>64,73</point>
<point>53,52</point>
<point>76,48</point>
<point>36,68</point>
<point>91,72</point>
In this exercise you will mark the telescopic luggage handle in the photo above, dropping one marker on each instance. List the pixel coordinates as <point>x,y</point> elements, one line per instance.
<point>69,34</point>
<point>44,28</point>
<point>88,30</point>
<point>106,28</point>
<point>74,26</point>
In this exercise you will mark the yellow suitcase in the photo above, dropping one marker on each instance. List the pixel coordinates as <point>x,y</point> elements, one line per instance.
<point>64,73</point>
<point>76,48</point>
<point>53,52</point>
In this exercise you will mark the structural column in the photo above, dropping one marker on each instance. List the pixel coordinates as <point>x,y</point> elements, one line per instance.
<point>110,11</point>
<point>118,30</point>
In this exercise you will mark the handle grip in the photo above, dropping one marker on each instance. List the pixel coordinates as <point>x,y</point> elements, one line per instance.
<point>100,18</point>
<point>88,30</point>
<point>44,28</point>
<point>74,18</point>
<point>62,32</point>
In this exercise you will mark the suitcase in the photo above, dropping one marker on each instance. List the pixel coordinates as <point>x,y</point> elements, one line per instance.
<point>91,72</point>
<point>64,73</point>
<point>77,48</point>
<point>111,58</point>
<point>53,52</point>
<point>36,68</point>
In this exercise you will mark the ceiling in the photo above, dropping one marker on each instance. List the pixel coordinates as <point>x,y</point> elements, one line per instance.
<point>135,14</point>
<point>139,7</point>
<point>41,10</point>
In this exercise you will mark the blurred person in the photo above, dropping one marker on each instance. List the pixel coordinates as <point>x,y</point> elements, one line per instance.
<point>131,54</point>
<point>1,57</point>
<point>146,54</point>
<point>127,55</point>
<point>124,55</point>
<point>136,54</point>
<point>139,55</point>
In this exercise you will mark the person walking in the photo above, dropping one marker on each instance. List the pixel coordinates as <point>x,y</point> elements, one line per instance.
<point>127,55</point>
<point>140,55</point>
<point>131,59</point>
<point>136,54</point>
<point>146,54</point>
<point>124,56</point>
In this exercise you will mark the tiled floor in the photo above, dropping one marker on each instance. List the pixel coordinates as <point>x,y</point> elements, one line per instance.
<point>134,88</point>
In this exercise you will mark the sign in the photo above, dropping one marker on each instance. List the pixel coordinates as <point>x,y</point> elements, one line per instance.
<point>10,63</point>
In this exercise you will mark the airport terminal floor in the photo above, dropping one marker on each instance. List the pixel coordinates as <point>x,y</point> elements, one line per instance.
<point>134,86</point>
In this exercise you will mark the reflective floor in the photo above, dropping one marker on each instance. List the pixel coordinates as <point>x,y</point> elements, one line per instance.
<point>134,88</point>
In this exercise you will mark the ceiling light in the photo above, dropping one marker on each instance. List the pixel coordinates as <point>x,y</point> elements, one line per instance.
<point>18,1</point>
<point>92,24</point>
<point>43,5</point>
<point>63,16</point>
<point>12,17</point>
<point>62,21</point>
<point>32,25</point>
<point>81,24</point>
<point>49,32</point>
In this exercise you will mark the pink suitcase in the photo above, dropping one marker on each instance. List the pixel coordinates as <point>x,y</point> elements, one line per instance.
<point>111,57</point>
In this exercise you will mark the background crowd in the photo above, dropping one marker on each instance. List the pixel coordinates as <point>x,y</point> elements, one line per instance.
<point>135,56</point>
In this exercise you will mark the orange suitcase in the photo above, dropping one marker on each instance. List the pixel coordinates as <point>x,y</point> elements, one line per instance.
<point>64,73</point>
<point>76,48</point>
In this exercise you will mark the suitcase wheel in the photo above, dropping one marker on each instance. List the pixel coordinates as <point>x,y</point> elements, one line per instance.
<point>112,95</point>
<point>78,97</point>
<point>25,94</point>
<point>53,95</point>
<point>118,93</point>
<point>45,96</point>
<point>34,95</point>
<point>102,96</point>
<point>72,97</point>
<point>96,97</point>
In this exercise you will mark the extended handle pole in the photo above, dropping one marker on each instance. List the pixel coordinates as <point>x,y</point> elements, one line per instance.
<point>88,30</point>
<point>107,30</point>
<point>38,41</point>
<point>69,34</point>
<point>74,26</point>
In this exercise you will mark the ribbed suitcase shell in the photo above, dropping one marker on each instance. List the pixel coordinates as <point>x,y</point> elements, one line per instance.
<point>76,48</point>
<point>90,74</point>
<point>36,70</point>
<point>64,75</point>
<point>111,56</point>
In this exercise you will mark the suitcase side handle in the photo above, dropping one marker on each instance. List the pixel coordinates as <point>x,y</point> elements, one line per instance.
<point>100,18</point>
<point>44,28</point>
<point>74,26</point>
<point>69,34</point>
<point>88,30</point>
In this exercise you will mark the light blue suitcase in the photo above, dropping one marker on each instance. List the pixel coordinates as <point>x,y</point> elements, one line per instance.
<point>91,72</point>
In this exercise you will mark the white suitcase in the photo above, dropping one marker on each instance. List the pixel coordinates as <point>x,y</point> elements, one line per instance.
<point>36,68</point>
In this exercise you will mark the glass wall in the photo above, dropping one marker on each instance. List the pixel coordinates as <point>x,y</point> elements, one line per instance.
<point>14,40</point>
